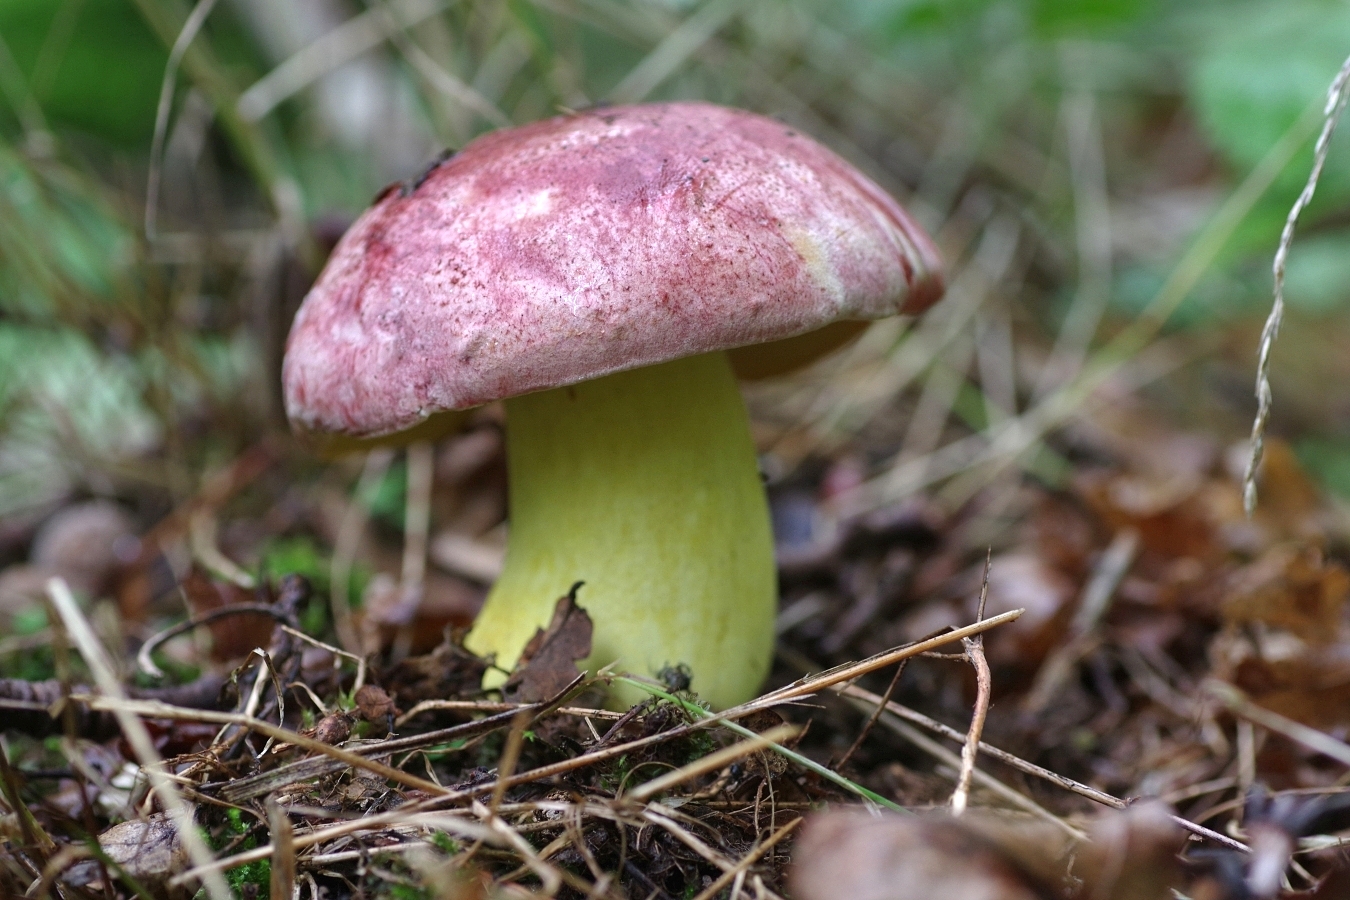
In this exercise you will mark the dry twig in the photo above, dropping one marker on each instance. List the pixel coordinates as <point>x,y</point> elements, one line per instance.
<point>974,647</point>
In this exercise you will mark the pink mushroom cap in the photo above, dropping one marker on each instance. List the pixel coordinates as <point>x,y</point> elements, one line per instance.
<point>591,243</point>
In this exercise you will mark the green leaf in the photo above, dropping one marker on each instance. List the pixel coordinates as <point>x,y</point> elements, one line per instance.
<point>1328,460</point>
<point>1085,17</point>
<point>1260,67</point>
<point>94,68</point>
<point>1317,280</point>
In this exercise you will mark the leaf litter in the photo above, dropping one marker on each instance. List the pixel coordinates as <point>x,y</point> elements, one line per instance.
<point>1117,606</point>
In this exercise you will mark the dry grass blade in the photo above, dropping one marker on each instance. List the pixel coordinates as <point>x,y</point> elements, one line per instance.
<point>747,861</point>
<point>353,523</point>
<point>806,686</point>
<point>1337,95</point>
<point>872,719</point>
<point>283,852</point>
<point>989,452</point>
<point>1239,705</point>
<point>138,736</point>
<point>191,26</point>
<point>984,779</point>
<point>675,49</point>
<point>506,766</point>
<point>490,706</point>
<point>153,709</point>
<point>344,43</point>
<point>895,713</point>
<point>442,80</point>
<point>711,763</point>
<point>548,875</point>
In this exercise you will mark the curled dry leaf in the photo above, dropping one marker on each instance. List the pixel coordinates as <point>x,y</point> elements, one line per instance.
<point>376,706</point>
<point>549,661</point>
<point>235,636</point>
<point>984,856</point>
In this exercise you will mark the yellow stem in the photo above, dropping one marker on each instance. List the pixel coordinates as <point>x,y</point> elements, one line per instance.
<point>644,485</point>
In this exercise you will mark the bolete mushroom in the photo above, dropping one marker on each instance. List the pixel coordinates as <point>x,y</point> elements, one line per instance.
<point>593,270</point>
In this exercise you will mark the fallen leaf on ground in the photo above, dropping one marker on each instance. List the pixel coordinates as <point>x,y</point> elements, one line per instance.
<point>984,856</point>
<point>549,662</point>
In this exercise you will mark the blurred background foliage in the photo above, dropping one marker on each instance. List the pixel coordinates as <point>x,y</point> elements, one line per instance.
<point>171,176</point>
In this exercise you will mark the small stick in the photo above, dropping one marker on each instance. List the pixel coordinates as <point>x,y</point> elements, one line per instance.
<point>283,851</point>
<point>934,749</point>
<point>506,766</point>
<point>494,706</point>
<point>897,711</point>
<point>153,709</point>
<point>711,763</point>
<point>813,683</point>
<point>974,647</point>
<point>1316,741</point>
<point>876,714</point>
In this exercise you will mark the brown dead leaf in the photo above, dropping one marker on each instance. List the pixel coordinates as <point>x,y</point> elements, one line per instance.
<point>984,856</point>
<point>376,706</point>
<point>1314,690</point>
<point>1172,516</point>
<point>233,636</point>
<point>549,662</point>
<point>863,857</point>
<point>1300,592</point>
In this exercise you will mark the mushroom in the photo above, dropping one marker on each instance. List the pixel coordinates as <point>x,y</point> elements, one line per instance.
<point>593,270</point>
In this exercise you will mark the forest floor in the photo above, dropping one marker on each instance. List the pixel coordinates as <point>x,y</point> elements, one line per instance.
<point>1041,653</point>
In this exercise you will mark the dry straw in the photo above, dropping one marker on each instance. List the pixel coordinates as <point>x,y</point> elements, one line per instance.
<point>1337,95</point>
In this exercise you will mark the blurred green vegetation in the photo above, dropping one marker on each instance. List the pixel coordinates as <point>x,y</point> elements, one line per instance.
<point>139,340</point>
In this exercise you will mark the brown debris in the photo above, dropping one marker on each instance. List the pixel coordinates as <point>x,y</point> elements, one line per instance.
<point>984,856</point>
<point>549,661</point>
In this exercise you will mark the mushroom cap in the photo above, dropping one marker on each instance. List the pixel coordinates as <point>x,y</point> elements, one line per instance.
<point>590,243</point>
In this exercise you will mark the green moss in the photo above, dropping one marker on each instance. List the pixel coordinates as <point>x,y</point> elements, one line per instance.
<point>257,873</point>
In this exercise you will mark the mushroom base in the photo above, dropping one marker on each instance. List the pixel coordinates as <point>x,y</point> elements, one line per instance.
<point>644,485</point>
